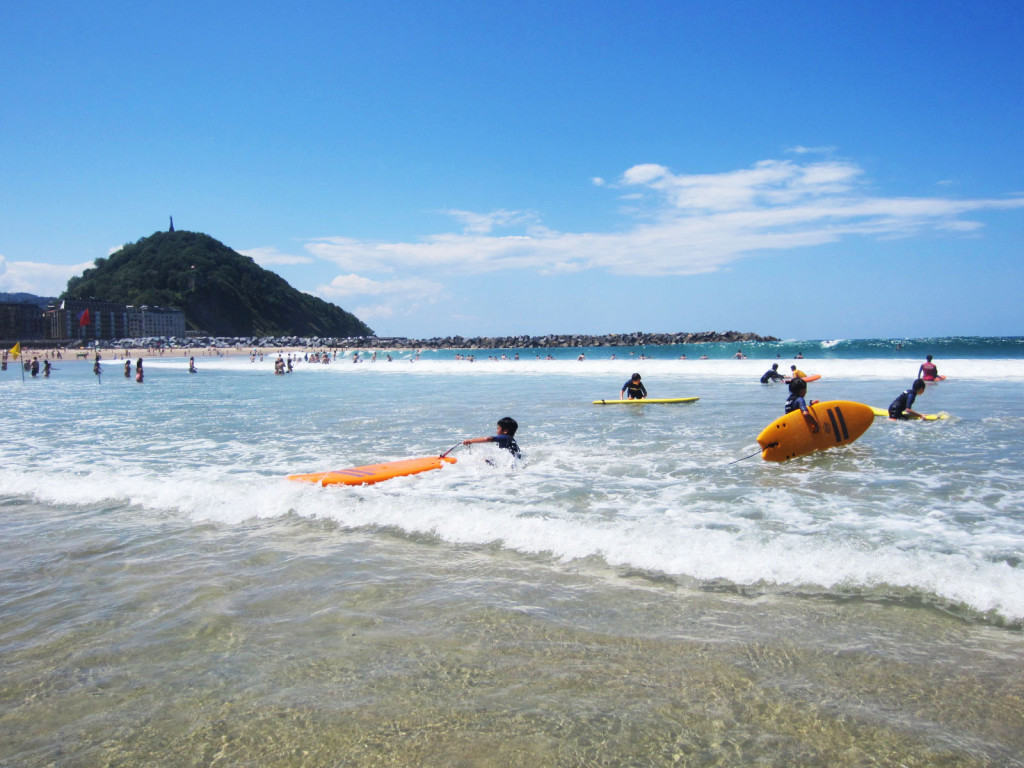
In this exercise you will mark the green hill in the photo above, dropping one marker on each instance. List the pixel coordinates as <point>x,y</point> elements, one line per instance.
<point>220,291</point>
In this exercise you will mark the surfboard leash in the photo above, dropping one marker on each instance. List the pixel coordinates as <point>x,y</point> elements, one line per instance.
<point>756,453</point>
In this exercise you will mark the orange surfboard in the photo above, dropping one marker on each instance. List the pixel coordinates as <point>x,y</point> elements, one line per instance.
<point>374,473</point>
<point>840,422</point>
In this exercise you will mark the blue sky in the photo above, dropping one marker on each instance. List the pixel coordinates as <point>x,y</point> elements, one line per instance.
<point>801,169</point>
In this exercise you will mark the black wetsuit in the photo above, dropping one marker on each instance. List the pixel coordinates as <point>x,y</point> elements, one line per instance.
<point>635,390</point>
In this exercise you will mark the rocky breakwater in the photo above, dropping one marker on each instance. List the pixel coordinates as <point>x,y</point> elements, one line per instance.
<point>556,340</point>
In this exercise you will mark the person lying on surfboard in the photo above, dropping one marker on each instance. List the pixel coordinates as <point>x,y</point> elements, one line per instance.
<point>797,390</point>
<point>506,437</point>
<point>900,407</point>
<point>636,389</point>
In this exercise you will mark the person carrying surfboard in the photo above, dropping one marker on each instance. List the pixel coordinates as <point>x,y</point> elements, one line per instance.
<point>899,409</point>
<point>506,437</point>
<point>797,390</point>
<point>636,389</point>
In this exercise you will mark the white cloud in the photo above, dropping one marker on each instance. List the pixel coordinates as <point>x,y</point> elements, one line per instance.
<point>686,224</point>
<point>35,277</point>
<point>395,296</point>
<point>270,256</point>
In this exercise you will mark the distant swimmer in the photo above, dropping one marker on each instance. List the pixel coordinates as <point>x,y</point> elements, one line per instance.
<point>772,375</point>
<point>635,388</point>
<point>192,365</point>
<point>797,390</point>
<point>739,355</point>
<point>900,407</point>
<point>506,437</point>
<point>127,369</point>
<point>928,370</point>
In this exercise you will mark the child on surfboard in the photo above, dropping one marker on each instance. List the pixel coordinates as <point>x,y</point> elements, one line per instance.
<point>899,409</point>
<point>797,390</point>
<point>506,437</point>
<point>635,387</point>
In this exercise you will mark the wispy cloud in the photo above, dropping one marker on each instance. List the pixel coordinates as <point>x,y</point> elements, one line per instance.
<point>684,224</point>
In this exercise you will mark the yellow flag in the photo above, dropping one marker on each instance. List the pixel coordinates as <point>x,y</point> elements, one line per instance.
<point>16,350</point>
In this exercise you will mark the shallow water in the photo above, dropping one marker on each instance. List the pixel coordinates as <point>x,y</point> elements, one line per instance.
<point>623,595</point>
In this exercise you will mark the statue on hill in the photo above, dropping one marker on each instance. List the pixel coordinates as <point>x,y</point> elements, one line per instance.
<point>172,225</point>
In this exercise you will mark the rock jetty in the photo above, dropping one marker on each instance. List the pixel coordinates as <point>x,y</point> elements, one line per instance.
<point>637,339</point>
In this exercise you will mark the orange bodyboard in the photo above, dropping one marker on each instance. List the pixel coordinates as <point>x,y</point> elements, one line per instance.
<point>374,473</point>
<point>840,422</point>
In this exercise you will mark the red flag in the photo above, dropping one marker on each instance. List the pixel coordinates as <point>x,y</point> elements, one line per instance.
<point>83,318</point>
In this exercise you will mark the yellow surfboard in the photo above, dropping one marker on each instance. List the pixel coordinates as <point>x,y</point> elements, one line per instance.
<point>374,473</point>
<point>840,422</point>
<point>925,416</point>
<point>647,400</point>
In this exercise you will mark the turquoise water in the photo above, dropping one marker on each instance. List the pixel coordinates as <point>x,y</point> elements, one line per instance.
<point>624,594</point>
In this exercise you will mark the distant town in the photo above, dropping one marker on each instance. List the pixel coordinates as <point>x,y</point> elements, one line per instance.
<point>72,322</point>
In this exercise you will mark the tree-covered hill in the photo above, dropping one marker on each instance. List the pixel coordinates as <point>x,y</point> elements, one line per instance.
<point>219,290</point>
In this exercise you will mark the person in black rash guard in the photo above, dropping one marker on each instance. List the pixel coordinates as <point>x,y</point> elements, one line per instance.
<point>506,437</point>
<point>637,391</point>
<point>772,375</point>
<point>900,407</point>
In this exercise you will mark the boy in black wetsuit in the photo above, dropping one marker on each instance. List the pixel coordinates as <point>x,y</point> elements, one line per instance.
<point>636,389</point>
<point>506,437</point>
<point>772,375</point>
<point>900,407</point>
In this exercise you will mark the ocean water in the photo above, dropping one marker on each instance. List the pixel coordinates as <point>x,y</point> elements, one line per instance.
<point>636,590</point>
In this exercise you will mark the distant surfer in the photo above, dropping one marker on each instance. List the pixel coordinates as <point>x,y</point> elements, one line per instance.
<point>795,401</point>
<point>796,373</point>
<point>772,374</point>
<point>635,388</point>
<point>899,408</point>
<point>928,370</point>
<point>506,437</point>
